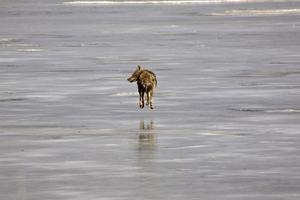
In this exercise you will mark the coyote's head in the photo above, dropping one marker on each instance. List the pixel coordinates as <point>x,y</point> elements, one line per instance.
<point>135,74</point>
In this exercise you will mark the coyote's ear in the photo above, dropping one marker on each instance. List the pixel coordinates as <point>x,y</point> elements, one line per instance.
<point>139,67</point>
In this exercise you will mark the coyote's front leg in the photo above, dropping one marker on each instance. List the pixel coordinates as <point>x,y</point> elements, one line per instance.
<point>141,94</point>
<point>142,102</point>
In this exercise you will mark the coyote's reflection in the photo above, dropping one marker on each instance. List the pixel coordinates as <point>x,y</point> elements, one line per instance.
<point>146,135</point>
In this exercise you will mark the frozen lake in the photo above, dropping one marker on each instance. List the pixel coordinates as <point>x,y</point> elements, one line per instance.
<point>226,118</point>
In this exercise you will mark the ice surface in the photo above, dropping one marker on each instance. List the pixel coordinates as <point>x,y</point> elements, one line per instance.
<point>226,118</point>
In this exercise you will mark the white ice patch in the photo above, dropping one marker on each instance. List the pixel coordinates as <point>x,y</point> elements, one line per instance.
<point>30,50</point>
<point>125,94</point>
<point>283,111</point>
<point>275,110</point>
<point>5,40</point>
<point>260,12</point>
<point>43,97</point>
<point>111,145</point>
<point>175,160</point>
<point>212,133</point>
<point>162,2</point>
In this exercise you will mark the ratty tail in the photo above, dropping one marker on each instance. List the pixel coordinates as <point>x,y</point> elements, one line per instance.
<point>155,80</point>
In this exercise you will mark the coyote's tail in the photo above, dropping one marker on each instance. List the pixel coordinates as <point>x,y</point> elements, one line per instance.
<point>155,80</point>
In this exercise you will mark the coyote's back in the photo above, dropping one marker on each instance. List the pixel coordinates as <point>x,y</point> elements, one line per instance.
<point>146,82</point>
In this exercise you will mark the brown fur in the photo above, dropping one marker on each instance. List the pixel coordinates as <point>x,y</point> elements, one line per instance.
<point>146,82</point>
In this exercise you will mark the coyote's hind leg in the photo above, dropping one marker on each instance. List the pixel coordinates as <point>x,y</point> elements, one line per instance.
<point>150,99</point>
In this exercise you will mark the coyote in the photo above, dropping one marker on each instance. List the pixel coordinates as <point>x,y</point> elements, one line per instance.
<point>146,82</point>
